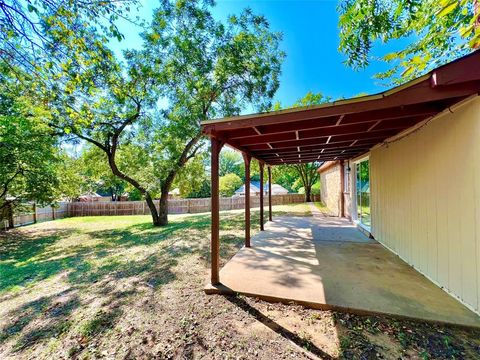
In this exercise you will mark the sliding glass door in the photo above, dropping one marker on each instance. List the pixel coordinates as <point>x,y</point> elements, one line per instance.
<point>362,170</point>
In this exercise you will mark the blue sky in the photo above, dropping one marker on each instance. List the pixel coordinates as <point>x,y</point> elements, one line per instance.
<point>310,40</point>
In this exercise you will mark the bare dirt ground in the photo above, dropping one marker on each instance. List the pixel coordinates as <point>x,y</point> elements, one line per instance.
<point>117,288</point>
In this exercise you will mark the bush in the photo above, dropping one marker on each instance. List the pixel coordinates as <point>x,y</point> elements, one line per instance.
<point>229,183</point>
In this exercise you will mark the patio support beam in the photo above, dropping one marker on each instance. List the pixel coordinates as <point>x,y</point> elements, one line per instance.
<point>247,159</point>
<point>261,165</point>
<point>215,238</point>
<point>342,187</point>
<point>269,168</point>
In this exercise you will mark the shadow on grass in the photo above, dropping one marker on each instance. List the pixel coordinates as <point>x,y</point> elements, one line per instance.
<point>54,311</point>
<point>16,254</point>
<point>305,344</point>
<point>27,260</point>
<point>98,266</point>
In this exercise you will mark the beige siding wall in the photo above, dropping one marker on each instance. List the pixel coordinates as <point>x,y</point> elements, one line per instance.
<point>330,183</point>
<point>426,200</point>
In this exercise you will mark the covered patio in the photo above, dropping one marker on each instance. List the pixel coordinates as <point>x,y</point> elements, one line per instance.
<point>326,262</point>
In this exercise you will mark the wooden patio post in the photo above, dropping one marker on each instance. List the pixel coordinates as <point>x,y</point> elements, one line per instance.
<point>261,165</point>
<point>246,159</point>
<point>269,193</point>
<point>215,240</point>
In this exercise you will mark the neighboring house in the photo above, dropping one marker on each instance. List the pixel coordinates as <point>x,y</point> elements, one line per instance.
<point>403,164</point>
<point>174,194</point>
<point>255,189</point>
<point>277,190</point>
<point>89,197</point>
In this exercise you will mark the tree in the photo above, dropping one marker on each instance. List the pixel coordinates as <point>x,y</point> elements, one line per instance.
<point>191,179</point>
<point>203,68</point>
<point>285,176</point>
<point>231,162</point>
<point>438,32</point>
<point>229,183</point>
<point>71,183</point>
<point>309,175</point>
<point>28,173</point>
<point>39,35</point>
<point>103,113</point>
<point>96,168</point>
<point>206,69</point>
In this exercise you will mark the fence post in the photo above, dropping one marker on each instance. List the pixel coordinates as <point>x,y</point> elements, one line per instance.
<point>34,212</point>
<point>11,224</point>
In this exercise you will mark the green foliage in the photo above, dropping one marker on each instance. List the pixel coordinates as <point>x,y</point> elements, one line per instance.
<point>285,176</point>
<point>231,162</point>
<point>143,117</point>
<point>192,177</point>
<point>43,37</point>
<point>310,99</point>
<point>28,153</point>
<point>206,69</point>
<point>204,191</point>
<point>229,183</point>
<point>439,31</point>
<point>71,183</point>
<point>95,168</point>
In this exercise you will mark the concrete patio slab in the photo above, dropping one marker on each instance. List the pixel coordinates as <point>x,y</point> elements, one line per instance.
<point>326,263</point>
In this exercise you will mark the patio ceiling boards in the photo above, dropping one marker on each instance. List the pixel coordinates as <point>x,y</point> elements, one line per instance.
<point>348,128</point>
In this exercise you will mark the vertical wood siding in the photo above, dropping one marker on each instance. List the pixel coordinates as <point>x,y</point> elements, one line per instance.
<point>426,200</point>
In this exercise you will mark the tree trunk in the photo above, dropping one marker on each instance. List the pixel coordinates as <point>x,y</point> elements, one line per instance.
<point>308,194</point>
<point>163,211</point>
<point>153,209</point>
<point>136,185</point>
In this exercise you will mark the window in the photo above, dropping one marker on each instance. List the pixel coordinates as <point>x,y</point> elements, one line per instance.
<point>362,172</point>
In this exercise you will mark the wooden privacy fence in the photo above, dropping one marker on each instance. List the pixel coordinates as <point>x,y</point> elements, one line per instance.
<point>176,206</point>
<point>38,214</point>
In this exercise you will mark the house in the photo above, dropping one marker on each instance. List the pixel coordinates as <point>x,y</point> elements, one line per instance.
<point>174,194</point>
<point>277,190</point>
<point>90,197</point>
<point>255,189</point>
<point>402,165</point>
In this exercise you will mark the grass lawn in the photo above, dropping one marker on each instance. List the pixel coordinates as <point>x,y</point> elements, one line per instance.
<point>119,288</point>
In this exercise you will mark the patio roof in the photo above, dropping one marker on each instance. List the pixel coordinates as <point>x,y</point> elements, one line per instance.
<point>347,128</point>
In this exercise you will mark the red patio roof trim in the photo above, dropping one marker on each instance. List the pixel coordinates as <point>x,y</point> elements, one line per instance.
<point>348,128</point>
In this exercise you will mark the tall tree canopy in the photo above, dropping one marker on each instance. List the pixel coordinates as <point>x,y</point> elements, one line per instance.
<point>199,67</point>
<point>438,31</point>
<point>206,69</point>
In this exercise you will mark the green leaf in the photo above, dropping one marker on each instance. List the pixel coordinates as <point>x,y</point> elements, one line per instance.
<point>32,8</point>
<point>448,9</point>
